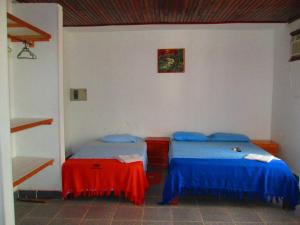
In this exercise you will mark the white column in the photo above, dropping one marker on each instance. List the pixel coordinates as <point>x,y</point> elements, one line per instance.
<point>6,189</point>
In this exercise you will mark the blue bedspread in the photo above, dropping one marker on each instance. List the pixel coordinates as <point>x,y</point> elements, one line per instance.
<point>231,178</point>
<point>103,150</point>
<point>214,168</point>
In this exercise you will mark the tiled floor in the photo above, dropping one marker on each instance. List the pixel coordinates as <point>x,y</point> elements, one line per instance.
<point>189,211</point>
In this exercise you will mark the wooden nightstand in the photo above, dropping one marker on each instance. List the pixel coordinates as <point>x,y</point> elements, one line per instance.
<point>268,145</point>
<point>158,151</point>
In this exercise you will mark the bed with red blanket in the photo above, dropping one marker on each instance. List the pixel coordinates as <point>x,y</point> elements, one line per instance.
<point>94,172</point>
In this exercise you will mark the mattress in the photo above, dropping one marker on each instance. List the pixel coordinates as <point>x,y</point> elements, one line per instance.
<point>104,150</point>
<point>212,150</point>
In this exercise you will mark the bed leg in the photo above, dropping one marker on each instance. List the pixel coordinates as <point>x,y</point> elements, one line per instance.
<point>174,201</point>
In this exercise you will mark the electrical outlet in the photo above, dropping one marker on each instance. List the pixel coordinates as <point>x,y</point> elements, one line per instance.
<point>78,94</point>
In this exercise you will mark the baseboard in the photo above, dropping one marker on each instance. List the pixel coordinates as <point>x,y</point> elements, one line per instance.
<point>29,194</point>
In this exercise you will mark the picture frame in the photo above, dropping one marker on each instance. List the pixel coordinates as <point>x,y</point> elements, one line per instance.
<point>295,45</point>
<point>171,60</point>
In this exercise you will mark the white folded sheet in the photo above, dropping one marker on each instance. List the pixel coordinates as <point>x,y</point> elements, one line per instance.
<point>262,158</point>
<point>129,158</point>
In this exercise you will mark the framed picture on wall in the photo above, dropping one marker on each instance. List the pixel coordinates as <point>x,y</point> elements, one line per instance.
<point>171,60</point>
<point>295,46</point>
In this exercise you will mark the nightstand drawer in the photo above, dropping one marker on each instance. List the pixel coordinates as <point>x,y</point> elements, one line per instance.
<point>158,162</point>
<point>158,150</point>
<point>161,145</point>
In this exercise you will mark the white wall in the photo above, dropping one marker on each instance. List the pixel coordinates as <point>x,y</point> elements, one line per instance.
<point>36,91</point>
<point>227,85</point>
<point>286,98</point>
<point>6,190</point>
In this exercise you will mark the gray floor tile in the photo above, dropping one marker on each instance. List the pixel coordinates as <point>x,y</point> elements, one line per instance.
<point>186,223</point>
<point>244,215</point>
<point>215,214</point>
<point>186,214</point>
<point>219,223</point>
<point>45,211</point>
<point>275,215</point>
<point>22,210</point>
<point>282,223</point>
<point>72,211</point>
<point>99,212</point>
<point>106,201</point>
<point>157,223</point>
<point>95,222</point>
<point>79,202</point>
<point>35,221</point>
<point>119,222</point>
<point>129,213</point>
<point>157,213</point>
<point>250,223</point>
<point>60,221</point>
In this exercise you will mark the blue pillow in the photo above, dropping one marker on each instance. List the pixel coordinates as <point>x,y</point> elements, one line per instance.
<point>228,137</point>
<point>121,138</point>
<point>189,136</point>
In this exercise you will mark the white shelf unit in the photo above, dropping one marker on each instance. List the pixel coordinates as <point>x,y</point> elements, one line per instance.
<point>36,97</point>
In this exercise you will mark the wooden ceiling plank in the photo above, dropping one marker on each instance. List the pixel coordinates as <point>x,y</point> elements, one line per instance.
<point>74,15</point>
<point>115,19</point>
<point>129,10</point>
<point>198,12</point>
<point>88,12</point>
<point>169,10</point>
<point>114,12</point>
<point>243,8</point>
<point>145,6</point>
<point>138,11</point>
<point>232,7</point>
<point>277,10</point>
<point>260,5</point>
<point>210,8</point>
<point>99,8</point>
<point>119,15</point>
<point>185,9</point>
<point>191,11</point>
<point>77,15</point>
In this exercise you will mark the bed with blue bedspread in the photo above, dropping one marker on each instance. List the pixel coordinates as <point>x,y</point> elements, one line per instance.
<point>214,168</point>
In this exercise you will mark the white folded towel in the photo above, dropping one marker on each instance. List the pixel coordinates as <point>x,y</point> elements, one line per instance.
<point>262,158</point>
<point>129,158</point>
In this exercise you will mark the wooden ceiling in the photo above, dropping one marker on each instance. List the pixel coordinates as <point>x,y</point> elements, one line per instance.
<point>130,12</point>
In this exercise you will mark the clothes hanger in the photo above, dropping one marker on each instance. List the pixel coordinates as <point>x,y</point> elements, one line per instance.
<point>25,53</point>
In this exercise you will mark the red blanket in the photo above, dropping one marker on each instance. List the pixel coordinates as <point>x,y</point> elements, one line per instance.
<point>98,177</point>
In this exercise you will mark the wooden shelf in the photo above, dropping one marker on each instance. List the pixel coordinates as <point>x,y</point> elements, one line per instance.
<point>26,167</point>
<point>20,31</point>
<point>18,124</point>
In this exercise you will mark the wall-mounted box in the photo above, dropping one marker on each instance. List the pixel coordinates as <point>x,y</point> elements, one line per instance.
<point>78,94</point>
